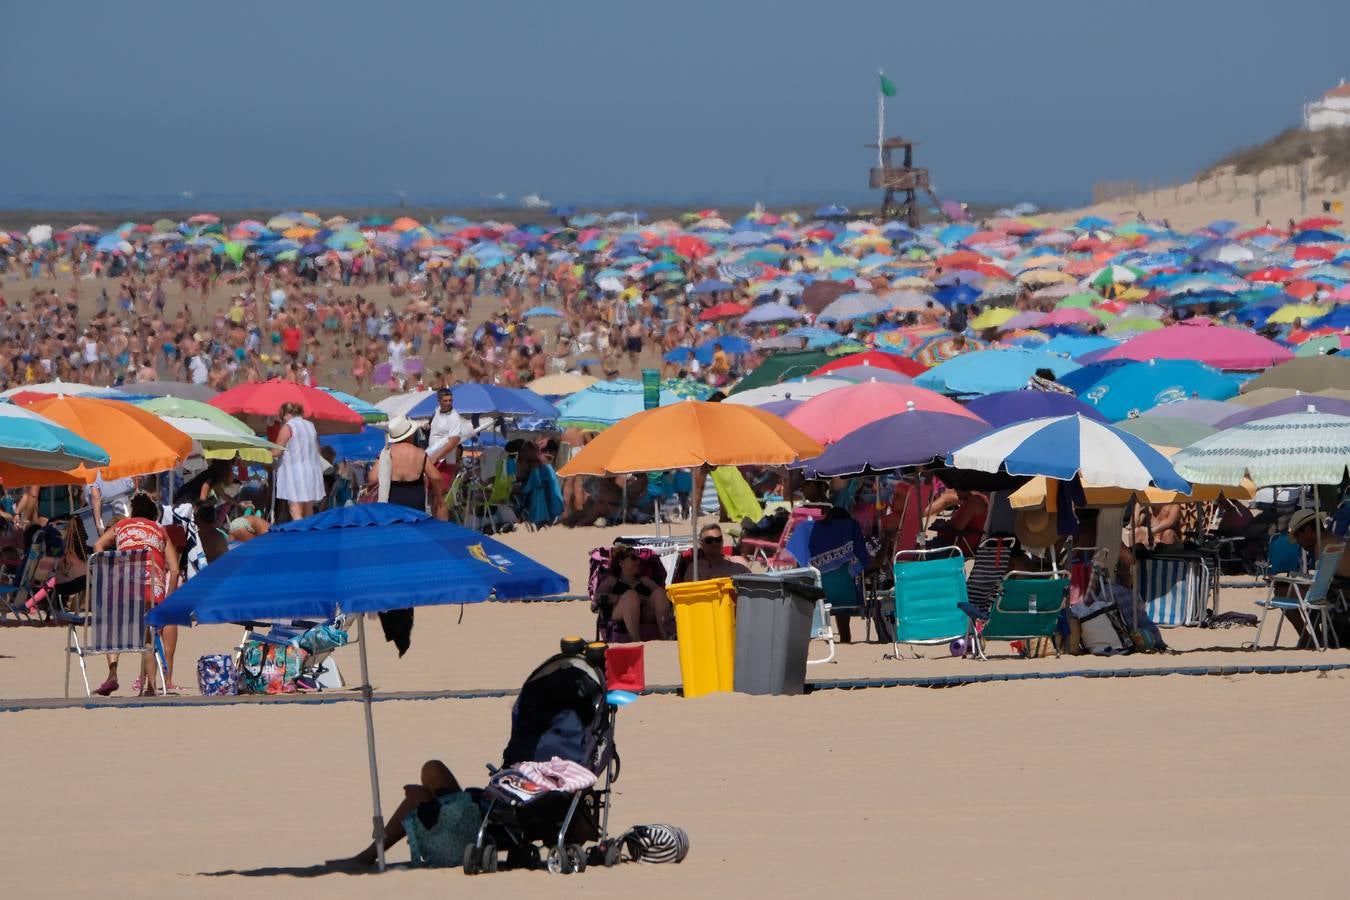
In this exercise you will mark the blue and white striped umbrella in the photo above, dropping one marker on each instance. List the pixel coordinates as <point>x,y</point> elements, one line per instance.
<point>1064,447</point>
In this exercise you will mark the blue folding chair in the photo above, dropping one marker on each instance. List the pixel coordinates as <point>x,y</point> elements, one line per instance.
<point>1308,596</point>
<point>930,586</point>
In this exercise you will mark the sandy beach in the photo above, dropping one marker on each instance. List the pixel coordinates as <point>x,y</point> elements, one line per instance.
<point>1025,789</point>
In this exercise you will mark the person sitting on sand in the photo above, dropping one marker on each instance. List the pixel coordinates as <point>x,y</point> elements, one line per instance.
<point>633,597</point>
<point>438,817</point>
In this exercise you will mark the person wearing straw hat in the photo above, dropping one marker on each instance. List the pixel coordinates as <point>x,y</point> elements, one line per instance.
<point>404,471</point>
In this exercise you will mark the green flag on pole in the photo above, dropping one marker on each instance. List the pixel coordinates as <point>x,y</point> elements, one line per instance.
<point>887,86</point>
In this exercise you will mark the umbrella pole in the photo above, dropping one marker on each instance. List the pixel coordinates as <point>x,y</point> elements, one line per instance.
<point>378,818</point>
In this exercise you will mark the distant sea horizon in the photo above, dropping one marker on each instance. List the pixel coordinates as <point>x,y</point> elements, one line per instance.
<point>225,201</point>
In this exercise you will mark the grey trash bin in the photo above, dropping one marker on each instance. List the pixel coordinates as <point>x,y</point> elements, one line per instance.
<point>773,630</point>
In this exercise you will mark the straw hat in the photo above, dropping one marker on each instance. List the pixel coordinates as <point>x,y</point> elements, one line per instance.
<point>1300,518</point>
<point>400,429</point>
<point>1035,529</point>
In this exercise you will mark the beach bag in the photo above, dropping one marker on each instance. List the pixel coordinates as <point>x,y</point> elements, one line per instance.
<point>1102,629</point>
<point>322,639</point>
<point>270,668</point>
<point>216,676</point>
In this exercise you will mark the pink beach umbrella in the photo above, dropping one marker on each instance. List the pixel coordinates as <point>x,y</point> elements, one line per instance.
<point>830,416</point>
<point>1214,345</point>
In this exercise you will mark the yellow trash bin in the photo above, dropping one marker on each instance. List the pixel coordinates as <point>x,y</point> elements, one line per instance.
<point>705,624</point>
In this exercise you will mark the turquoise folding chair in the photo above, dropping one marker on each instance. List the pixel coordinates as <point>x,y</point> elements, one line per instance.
<point>930,586</point>
<point>1027,606</point>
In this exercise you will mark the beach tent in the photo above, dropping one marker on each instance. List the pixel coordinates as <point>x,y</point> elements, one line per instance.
<point>338,562</point>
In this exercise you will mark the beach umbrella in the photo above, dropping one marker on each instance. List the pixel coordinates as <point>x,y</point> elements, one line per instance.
<point>402,404</point>
<point>256,402</point>
<point>182,389</point>
<point>988,371</point>
<point>1297,403</point>
<point>136,441</point>
<point>711,286</point>
<point>362,447</point>
<point>339,563</point>
<point>1068,447</point>
<point>1075,346</point>
<point>220,435</point>
<point>819,294</point>
<point>1006,407</point>
<point>1207,412</point>
<point>1308,447</point>
<point>369,412</point>
<point>562,384</point>
<point>781,366</point>
<point>67,389</point>
<point>847,307</point>
<point>31,440</point>
<point>1119,388</point>
<point>859,374</point>
<point>604,404</point>
<point>771,312</point>
<point>1215,345</point>
<point>1306,374</point>
<point>830,416</point>
<point>692,434</point>
<point>873,359</point>
<point>1166,431</point>
<point>994,317</point>
<point>794,389</point>
<point>723,311</point>
<point>1266,395</point>
<point>910,438</point>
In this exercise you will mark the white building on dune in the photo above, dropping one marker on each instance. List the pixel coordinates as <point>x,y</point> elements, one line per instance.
<point>1332,111</point>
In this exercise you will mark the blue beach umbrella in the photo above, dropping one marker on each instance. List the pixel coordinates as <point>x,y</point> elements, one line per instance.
<point>1140,386</point>
<point>988,371</point>
<point>900,441</point>
<point>340,562</point>
<point>1006,407</point>
<point>1067,447</point>
<point>541,311</point>
<point>362,447</point>
<point>28,439</point>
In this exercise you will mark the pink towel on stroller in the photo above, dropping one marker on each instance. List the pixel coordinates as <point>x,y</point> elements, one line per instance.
<point>558,774</point>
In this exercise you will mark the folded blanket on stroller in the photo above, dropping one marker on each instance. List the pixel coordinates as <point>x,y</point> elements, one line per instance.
<point>527,780</point>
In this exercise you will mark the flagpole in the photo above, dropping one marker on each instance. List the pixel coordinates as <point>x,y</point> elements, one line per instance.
<point>881,117</point>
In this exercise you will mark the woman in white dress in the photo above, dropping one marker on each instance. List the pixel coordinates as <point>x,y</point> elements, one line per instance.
<point>299,470</point>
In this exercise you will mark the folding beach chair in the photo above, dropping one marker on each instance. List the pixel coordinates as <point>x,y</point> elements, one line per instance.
<point>118,584</point>
<point>45,550</point>
<point>1027,606</point>
<point>1175,587</point>
<point>773,554</point>
<point>930,588</point>
<point>1308,595</point>
<point>993,559</point>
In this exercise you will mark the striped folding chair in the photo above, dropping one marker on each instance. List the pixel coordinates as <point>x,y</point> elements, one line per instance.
<point>118,586</point>
<point>1174,588</point>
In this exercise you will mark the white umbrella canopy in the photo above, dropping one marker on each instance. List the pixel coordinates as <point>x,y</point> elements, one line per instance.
<point>1307,447</point>
<point>787,390</point>
<point>399,404</point>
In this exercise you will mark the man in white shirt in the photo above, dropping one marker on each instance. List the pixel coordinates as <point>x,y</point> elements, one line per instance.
<point>447,433</point>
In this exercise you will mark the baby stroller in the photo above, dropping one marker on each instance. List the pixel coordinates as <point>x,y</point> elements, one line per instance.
<point>562,711</point>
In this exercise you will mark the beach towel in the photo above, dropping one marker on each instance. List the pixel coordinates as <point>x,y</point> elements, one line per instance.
<point>736,495</point>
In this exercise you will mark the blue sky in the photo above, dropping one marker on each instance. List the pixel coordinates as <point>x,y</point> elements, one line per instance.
<point>612,101</point>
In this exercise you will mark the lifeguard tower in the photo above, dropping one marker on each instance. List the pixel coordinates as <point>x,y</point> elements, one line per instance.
<point>901,182</point>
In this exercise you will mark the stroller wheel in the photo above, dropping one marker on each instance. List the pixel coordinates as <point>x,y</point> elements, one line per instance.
<point>488,861</point>
<point>471,859</point>
<point>558,862</point>
<point>577,855</point>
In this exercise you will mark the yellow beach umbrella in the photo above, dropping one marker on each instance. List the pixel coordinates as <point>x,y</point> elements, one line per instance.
<point>1033,494</point>
<point>1287,314</point>
<point>992,318</point>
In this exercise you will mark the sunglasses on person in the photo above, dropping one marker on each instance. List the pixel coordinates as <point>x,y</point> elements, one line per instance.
<point>712,539</point>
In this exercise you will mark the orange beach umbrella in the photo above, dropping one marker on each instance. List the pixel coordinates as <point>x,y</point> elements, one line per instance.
<point>138,442</point>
